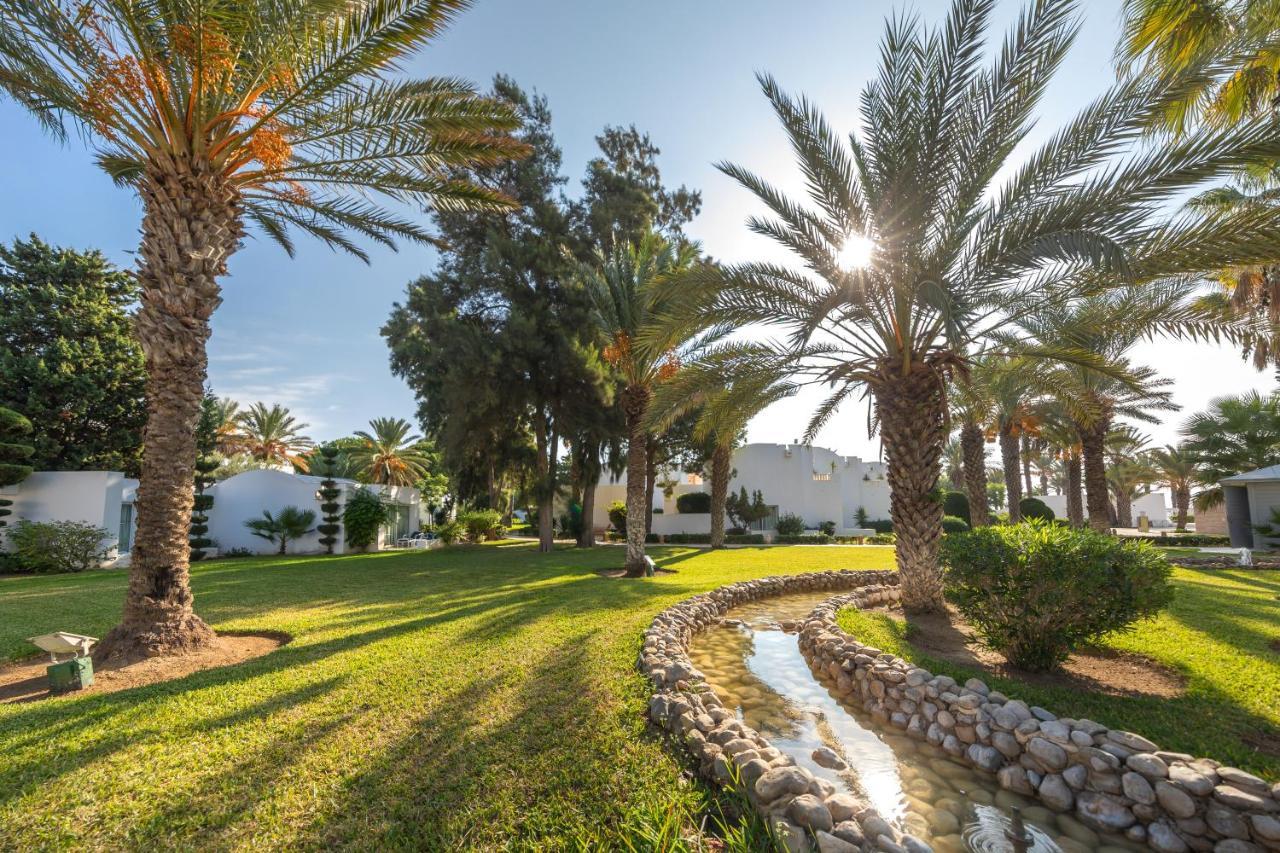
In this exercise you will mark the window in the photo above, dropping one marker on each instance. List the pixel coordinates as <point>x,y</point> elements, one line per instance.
<point>125,535</point>
<point>822,478</point>
<point>397,526</point>
<point>769,522</point>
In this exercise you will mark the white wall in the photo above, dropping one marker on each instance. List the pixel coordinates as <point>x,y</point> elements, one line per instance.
<point>90,497</point>
<point>1152,504</point>
<point>245,496</point>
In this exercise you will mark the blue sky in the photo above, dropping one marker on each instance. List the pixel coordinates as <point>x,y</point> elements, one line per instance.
<point>304,332</point>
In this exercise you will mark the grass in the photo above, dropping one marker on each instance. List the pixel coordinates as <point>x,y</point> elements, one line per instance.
<point>466,698</point>
<point>1220,633</point>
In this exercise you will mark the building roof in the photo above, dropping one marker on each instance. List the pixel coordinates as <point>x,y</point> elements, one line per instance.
<point>1263,475</point>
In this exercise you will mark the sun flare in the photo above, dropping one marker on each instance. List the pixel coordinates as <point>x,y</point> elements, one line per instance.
<point>856,252</point>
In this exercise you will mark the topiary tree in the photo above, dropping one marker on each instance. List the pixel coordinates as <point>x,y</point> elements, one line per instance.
<point>618,516</point>
<point>1035,508</point>
<point>14,453</point>
<point>364,514</point>
<point>957,504</point>
<point>954,524</point>
<point>199,540</point>
<point>694,503</point>
<point>329,493</point>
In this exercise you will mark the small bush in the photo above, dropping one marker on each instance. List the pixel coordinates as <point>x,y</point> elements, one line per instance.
<point>694,503</point>
<point>449,532</point>
<point>951,524</point>
<point>736,531</point>
<point>827,528</point>
<point>803,539</point>
<point>688,539</point>
<point>790,524</point>
<point>618,516</point>
<point>1037,591</point>
<point>744,538</point>
<point>363,515</point>
<point>1183,540</point>
<point>236,553</point>
<point>57,546</point>
<point>957,504</point>
<point>483,524</point>
<point>880,525</point>
<point>884,539</point>
<point>1035,508</point>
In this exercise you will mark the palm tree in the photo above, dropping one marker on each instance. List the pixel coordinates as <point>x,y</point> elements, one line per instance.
<point>632,308</point>
<point>1010,384</point>
<point>227,436</point>
<point>1128,473</point>
<point>390,453</point>
<point>274,436</point>
<point>1176,469</point>
<point>723,410</point>
<point>972,406</point>
<point>924,236</point>
<point>279,115</point>
<point>1063,441</point>
<point>291,524</point>
<point>1234,435</point>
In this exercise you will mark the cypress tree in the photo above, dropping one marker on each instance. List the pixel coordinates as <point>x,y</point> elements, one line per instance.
<point>329,493</point>
<point>206,463</point>
<point>14,453</point>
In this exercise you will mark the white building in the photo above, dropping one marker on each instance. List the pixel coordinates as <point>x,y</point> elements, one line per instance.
<point>105,499</point>
<point>1250,498</point>
<point>812,482</point>
<point>1152,505</point>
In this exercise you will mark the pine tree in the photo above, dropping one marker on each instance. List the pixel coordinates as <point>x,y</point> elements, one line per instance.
<point>329,493</point>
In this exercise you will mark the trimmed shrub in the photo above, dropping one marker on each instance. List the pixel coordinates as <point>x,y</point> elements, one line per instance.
<point>880,525</point>
<point>692,503</point>
<point>1182,540</point>
<point>688,539</point>
<point>329,494</point>
<point>363,515</point>
<point>957,504</point>
<point>884,539</point>
<point>618,516</point>
<point>482,525</point>
<point>1037,591</point>
<point>450,532</point>
<point>827,528</point>
<point>790,524</point>
<point>744,538</point>
<point>51,547</point>
<point>803,539</point>
<point>951,524</point>
<point>1035,508</point>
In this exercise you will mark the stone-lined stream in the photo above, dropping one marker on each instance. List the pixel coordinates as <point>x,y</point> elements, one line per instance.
<point>758,671</point>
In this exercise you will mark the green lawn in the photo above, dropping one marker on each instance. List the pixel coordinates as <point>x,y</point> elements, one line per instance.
<point>1221,633</point>
<point>468,698</point>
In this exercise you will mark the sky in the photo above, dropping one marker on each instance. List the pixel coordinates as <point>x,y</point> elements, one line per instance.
<point>304,332</point>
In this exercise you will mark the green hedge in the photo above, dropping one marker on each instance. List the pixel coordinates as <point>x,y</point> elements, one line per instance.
<point>951,524</point>
<point>804,539</point>
<point>1183,540</point>
<point>693,503</point>
<point>880,525</point>
<point>744,539</point>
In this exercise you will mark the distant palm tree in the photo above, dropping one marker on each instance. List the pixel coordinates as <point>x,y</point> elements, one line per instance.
<point>1177,470</point>
<point>1234,435</point>
<point>1128,471</point>
<point>227,435</point>
<point>389,454</point>
<point>290,525</point>
<point>274,436</point>
<point>920,235</point>
<point>632,309</point>
<point>222,115</point>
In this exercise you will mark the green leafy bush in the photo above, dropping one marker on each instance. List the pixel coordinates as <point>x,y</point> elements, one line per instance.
<point>803,539</point>
<point>1036,591</point>
<point>618,516</point>
<point>236,553</point>
<point>951,524</point>
<point>1035,508</point>
<point>362,517</point>
<point>790,524</point>
<point>827,528</point>
<point>880,525</point>
<point>694,502</point>
<point>1183,540</point>
<point>957,504</point>
<point>884,539</point>
<point>450,532</point>
<point>688,538</point>
<point>482,525</point>
<point>49,547</point>
<point>744,538</point>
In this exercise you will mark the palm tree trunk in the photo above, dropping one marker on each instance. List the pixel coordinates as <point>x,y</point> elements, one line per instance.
<point>1075,501</point>
<point>635,401</point>
<point>975,472</point>
<point>1182,503</point>
<point>1095,473</point>
<point>650,483</point>
<point>911,411</point>
<point>1026,465</point>
<point>721,461</point>
<point>587,535</point>
<point>190,227</point>
<point>1010,460</point>
<point>1124,510</point>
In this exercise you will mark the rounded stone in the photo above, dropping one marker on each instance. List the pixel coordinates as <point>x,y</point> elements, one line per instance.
<point>1103,812</point>
<point>1174,800</point>
<point>824,756</point>
<point>1137,788</point>
<point>1235,845</point>
<point>1164,838</point>
<point>844,806</point>
<point>1191,779</point>
<point>1266,827</point>
<point>828,843</point>
<point>1056,794</point>
<point>1151,766</point>
<point>808,811</point>
<point>1051,756</point>
<point>782,780</point>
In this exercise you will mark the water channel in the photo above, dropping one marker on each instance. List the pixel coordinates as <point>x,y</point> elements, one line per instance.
<point>758,670</point>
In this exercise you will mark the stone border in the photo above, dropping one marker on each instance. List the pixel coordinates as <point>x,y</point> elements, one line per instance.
<point>1114,781</point>
<point>790,798</point>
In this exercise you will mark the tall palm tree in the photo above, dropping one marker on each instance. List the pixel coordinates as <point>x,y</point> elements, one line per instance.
<point>723,410</point>
<point>1128,473</point>
<point>279,114</point>
<point>227,433</point>
<point>632,307</point>
<point>1177,470</point>
<point>1011,384</point>
<point>924,235</point>
<point>972,406</point>
<point>1063,441</point>
<point>274,436</point>
<point>390,454</point>
<point>1234,435</point>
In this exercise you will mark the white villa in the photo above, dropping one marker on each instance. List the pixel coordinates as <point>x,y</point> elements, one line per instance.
<point>105,499</point>
<point>815,483</point>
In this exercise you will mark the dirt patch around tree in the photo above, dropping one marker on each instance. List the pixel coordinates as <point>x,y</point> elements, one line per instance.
<point>622,573</point>
<point>26,680</point>
<point>948,637</point>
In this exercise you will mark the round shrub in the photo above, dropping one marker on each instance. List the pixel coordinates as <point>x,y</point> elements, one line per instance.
<point>951,524</point>
<point>790,524</point>
<point>618,516</point>
<point>363,515</point>
<point>827,528</point>
<point>483,524</point>
<point>1036,591</point>
<point>1035,508</point>
<point>957,504</point>
<point>449,532</point>
<point>694,502</point>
